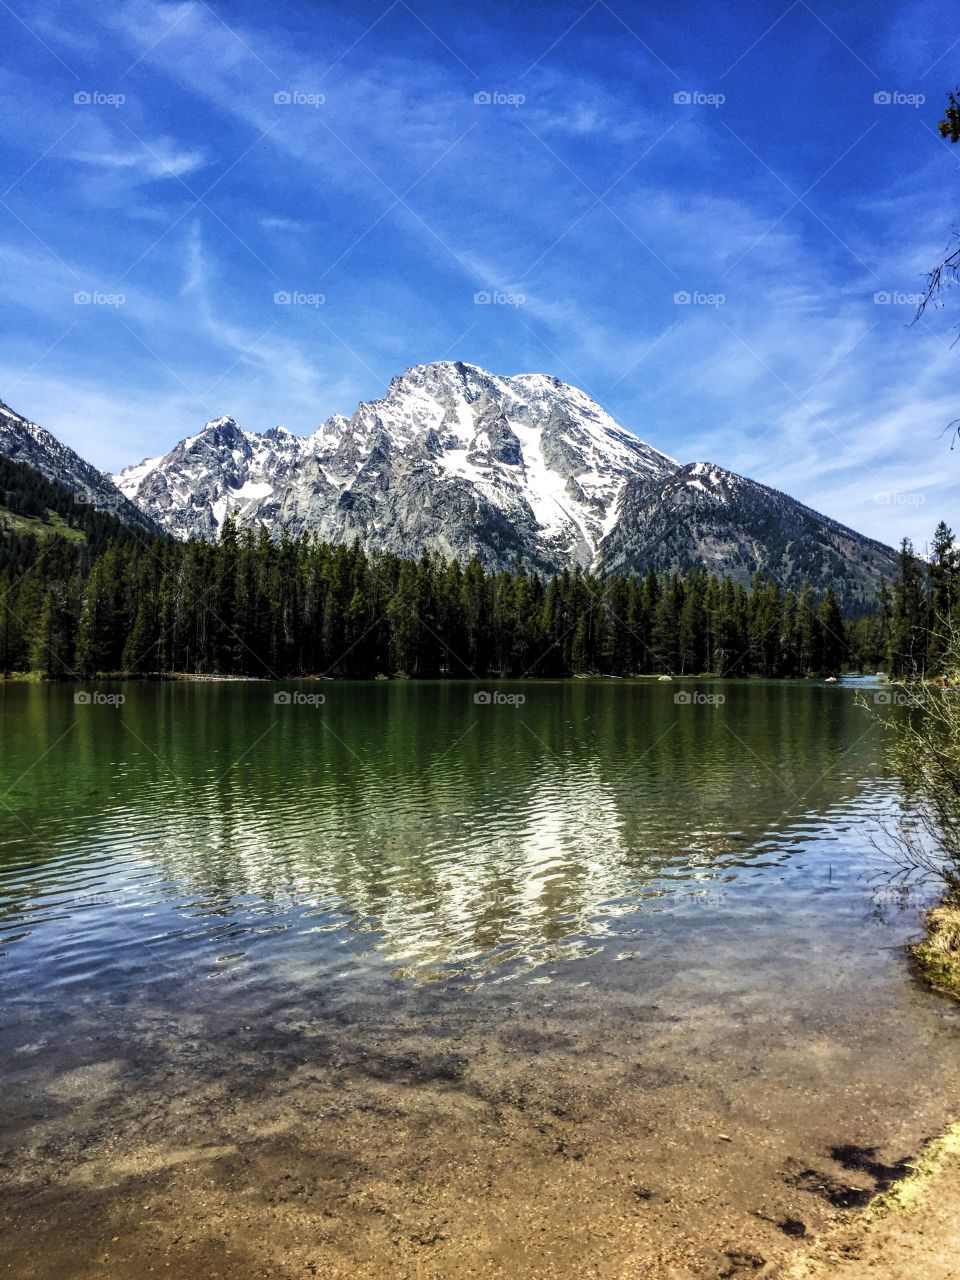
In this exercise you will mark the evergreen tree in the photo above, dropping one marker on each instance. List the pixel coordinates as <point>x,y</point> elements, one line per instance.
<point>809,639</point>
<point>944,575</point>
<point>908,631</point>
<point>765,615</point>
<point>834,646</point>
<point>665,628</point>
<point>292,606</point>
<point>52,651</point>
<point>692,625</point>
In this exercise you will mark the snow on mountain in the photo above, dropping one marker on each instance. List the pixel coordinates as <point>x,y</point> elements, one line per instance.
<point>464,462</point>
<point>24,441</point>
<point>451,456</point>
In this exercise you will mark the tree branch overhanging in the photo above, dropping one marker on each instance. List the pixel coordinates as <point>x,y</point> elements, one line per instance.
<point>947,271</point>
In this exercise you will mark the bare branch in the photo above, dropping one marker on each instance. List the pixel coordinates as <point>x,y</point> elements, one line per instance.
<point>943,275</point>
<point>946,272</point>
<point>924,838</point>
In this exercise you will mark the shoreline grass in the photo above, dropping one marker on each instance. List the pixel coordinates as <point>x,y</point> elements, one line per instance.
<point>937,956</point>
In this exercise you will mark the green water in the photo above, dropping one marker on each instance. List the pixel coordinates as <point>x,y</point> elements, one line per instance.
<point>442,834</point>
<point>528,946</point>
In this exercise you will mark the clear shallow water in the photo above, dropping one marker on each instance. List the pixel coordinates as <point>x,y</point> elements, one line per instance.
<point>644,899</point>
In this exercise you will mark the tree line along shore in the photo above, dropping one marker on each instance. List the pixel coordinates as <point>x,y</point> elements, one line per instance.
<point>114,601</point>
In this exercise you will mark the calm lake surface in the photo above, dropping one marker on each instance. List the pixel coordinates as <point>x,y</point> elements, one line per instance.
<point>419,979</point>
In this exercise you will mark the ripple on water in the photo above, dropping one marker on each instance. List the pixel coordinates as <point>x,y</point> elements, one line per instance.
<point>439,848</point>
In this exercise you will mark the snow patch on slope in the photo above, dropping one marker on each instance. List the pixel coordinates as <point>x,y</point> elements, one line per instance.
<point>540,452</point>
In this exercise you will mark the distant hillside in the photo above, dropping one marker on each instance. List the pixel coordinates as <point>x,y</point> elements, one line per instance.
<point>24,441</point>
<point>33,509</point>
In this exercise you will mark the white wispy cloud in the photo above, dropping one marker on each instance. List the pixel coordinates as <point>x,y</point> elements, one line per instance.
<point>797,378</point>
<point>158,158</point>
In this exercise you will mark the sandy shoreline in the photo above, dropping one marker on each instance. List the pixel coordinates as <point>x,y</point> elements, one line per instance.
<point>401,1135</point>
<point>911,1232</point>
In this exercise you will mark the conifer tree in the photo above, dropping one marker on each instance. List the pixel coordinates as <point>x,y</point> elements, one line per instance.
<point>833,639</point>
<point>52,651</point>
<point>944,575</point>
<point>908,630</point>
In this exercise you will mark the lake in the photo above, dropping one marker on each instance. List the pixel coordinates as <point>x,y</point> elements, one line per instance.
<point>530,979</point>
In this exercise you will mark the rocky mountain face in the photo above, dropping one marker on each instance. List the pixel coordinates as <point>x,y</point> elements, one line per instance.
<point>451,458</point>
<point>702,514</point>
<point>466,463</point>
<point>24,441</point>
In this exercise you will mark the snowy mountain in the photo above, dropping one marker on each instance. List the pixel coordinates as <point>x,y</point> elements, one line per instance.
<point>452,458</point>
<point>24,441</point>
<point>464,462</point>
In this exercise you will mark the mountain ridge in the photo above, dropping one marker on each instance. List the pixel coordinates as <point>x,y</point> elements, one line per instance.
<point>458,460</point>
<point>24,441</point>
<point>751,526</point>
<point>504,441</point>
<point>463,462</point>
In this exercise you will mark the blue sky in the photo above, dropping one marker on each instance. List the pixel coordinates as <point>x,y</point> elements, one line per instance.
<point>183,164</point>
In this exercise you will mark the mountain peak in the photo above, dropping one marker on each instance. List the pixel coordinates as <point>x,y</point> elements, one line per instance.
<point>462,461</point>
<point>453,368</point>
